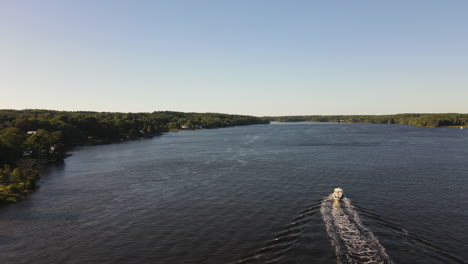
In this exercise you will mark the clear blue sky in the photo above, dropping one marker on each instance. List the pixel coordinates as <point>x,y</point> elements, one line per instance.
<point>240,56</point>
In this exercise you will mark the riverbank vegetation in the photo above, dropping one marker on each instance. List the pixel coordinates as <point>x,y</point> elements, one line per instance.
<point>424,120</point>
<point>32,137</point>
<point>14,183</point>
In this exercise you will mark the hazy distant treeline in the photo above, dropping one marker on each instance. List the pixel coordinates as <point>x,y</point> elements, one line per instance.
<point>31,136</point>
<point>425,120</point>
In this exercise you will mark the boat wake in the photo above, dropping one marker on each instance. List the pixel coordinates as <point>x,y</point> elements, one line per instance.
<point>353,242</point>
<point>284,241</point>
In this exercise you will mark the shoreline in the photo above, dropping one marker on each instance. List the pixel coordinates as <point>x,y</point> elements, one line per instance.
<point>30,175</point>
<point>331,122</point>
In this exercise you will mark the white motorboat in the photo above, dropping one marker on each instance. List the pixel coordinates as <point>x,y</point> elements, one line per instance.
<point>338,193</point>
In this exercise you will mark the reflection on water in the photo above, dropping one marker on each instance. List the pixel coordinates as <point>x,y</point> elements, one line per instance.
<point>251,195</point>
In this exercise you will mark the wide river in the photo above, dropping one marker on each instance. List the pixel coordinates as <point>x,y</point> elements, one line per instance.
<point>252,194</point>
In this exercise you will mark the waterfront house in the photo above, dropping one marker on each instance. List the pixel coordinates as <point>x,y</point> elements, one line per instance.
<point>27,153</point>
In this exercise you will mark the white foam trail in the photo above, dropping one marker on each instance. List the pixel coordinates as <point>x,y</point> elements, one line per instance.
<point>353,242</point>
<point>251,139</point>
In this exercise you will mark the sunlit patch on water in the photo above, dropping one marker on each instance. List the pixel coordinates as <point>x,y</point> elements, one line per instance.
<point>353,242</point>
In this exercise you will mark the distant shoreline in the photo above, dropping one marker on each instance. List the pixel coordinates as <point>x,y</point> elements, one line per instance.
<point>318,122</point>
<point>421,120</point>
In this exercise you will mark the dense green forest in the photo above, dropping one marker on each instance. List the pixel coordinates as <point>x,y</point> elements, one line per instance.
<point>31,137</point>
<point>425,120</point>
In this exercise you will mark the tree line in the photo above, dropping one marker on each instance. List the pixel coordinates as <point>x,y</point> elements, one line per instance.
<point>29,137</point>
<point>424,120</point>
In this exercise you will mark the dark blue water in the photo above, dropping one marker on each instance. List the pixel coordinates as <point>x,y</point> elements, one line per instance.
<point>255,194</point>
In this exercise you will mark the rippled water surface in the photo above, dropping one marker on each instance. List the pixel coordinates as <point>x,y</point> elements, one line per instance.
<point>255,194</point>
